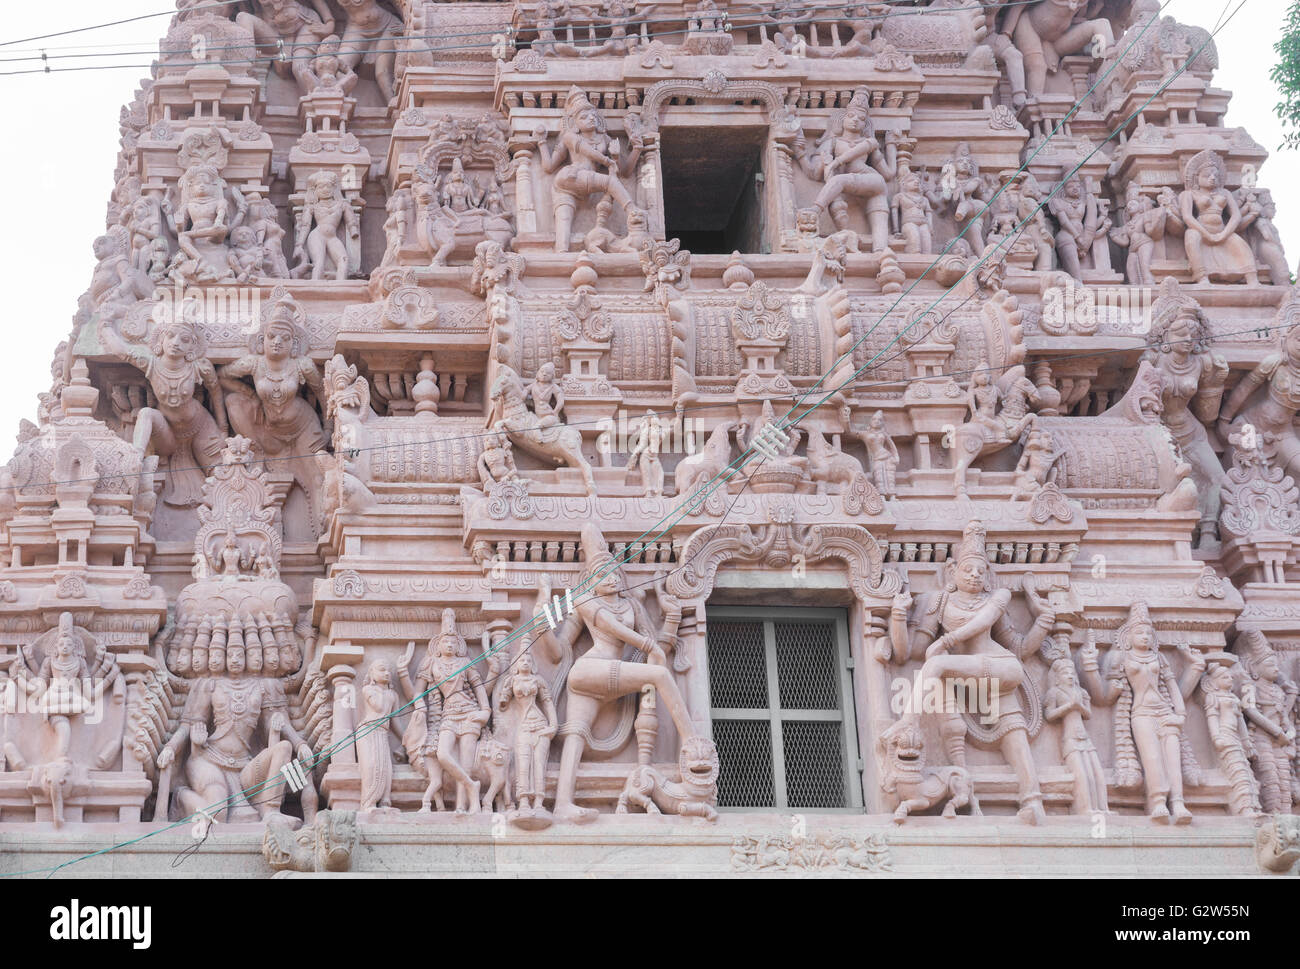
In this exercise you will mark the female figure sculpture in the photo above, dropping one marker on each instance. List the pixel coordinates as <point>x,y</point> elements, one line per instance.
<point>882,453</point>
<point>201,225</point>
<point>1150,713</point>
<point>376,724</point>
<point>1231,739</point>
<point>456,711</point>
<point>526,700</point>
<point>1193,379</point>
<point>180,428</point>
<point>331,212</point>
<point>587,148</point>
<point>1274,412</point>
<point>1271,732</point>
<point>1211,218</point>
<point>272,412</point>
<point>1069,703</point>
<point>967,634</point>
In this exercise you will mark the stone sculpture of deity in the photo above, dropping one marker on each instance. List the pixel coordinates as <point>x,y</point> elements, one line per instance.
<point>1211,219</point>
<point>179,429</point>
<point>966,634</point>
<point>1192,379</point>
<point>586,161</point>
<point>849,159</point>
<point>616,618</point>
<point>335,223</point>
<point>1149,711</point>
<point>272,413</point>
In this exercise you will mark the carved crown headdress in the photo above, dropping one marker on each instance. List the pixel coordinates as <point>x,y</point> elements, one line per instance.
<point>1138,615</point>
<point>595,552</point>
<point>1199,162</point>
<point>974,539</point>
<point>1170,305</point>
<point>283,310</point>
<point>576,102</point>
<point>450,632</point>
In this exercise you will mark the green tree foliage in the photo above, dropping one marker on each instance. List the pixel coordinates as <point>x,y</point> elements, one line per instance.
<point>1287,75</point>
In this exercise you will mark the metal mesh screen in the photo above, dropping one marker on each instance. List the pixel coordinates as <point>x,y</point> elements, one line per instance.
<point>745,751</point>
<point>801,765</point>
<point>806,665</point>
<point>737,665</point>
<point>814,763</point>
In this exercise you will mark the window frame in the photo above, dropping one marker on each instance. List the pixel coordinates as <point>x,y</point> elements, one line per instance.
<point>774,712</point>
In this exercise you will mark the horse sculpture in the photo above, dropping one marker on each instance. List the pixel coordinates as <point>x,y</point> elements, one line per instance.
<point>552,442</point>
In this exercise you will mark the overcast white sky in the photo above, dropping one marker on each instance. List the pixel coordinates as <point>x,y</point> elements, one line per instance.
<point>61,136</point>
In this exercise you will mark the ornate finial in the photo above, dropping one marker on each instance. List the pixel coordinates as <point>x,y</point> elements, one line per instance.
<point>737,275</point>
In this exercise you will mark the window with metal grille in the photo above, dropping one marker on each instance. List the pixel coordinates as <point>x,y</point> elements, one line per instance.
<point>782,708</point>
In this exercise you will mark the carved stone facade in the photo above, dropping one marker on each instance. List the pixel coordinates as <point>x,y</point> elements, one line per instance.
<point>433,401</point>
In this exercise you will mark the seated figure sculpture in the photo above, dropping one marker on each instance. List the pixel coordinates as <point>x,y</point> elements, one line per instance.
<point>1211,217</point>
<point>292,27</point>
<point>1047,30</point>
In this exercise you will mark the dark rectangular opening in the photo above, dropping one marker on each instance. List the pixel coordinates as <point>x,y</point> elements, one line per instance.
<point>713,182</point>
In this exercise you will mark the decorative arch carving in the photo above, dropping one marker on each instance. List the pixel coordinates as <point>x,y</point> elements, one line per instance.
<point>775,545</point>
<point>713,88</point>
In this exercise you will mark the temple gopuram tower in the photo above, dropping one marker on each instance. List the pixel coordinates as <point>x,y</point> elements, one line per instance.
<point>666,436</point>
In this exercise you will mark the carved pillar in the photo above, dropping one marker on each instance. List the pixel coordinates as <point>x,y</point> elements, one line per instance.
<point>342,680</point>
<point>525,205</point>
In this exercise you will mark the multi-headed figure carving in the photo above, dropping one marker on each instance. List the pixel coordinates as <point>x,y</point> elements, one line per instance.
<point>1271,700</point>
<point>179,429</point>
<point>284,425</point>
<point>595,163</point>
<point>1149,711</point>
<point>616,618</point>
<point>1211,219</point>
<point>849,159</point>
<point>237,629</point>
<point>445,725</point>
<point>335,223</point>
<point>967,635</point>
<point>1192,391</point>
